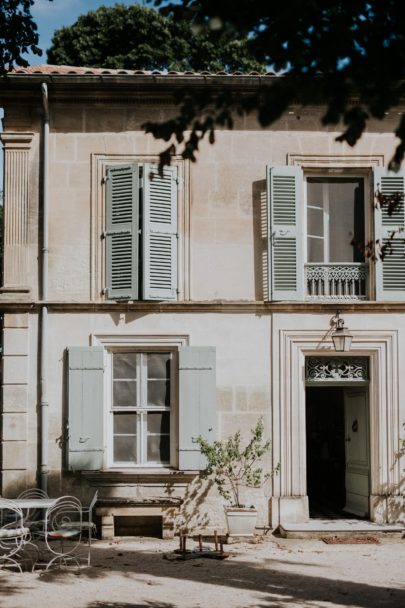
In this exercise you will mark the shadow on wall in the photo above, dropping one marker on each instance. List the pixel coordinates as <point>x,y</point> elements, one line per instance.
<point>259,196</point>
<point>192,516</point>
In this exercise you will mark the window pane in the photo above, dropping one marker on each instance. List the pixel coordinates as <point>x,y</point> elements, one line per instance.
<point>124,393</point>
<point>346,220</point>
<point>158,422</point>
<point>159,393</point>
<point>342,201</point>
<point>125,448</point>
<point>124,424</point>
<point>315,221</point>
<point>159,365</point>
<point>158,437</point>
<point>159,448</point>
<point>124,365</point>
<point>315,250</point>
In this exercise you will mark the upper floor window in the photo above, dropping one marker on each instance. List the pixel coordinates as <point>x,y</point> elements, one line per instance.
<point>335,219</point>
<point>318,229</point>
<point>141,232</point>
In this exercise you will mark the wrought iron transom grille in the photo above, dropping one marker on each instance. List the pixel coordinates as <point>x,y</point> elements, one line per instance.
<point>336,369</point>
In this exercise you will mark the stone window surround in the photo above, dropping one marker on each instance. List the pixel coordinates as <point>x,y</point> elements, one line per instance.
<point>289,502</point>
<point>359,164</point>
<point>99,163</point>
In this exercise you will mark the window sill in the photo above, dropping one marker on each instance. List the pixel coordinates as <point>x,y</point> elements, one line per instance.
<point>116,477</point>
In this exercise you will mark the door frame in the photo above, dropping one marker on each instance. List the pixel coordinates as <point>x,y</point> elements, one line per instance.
<point>289,502</point>
<point>348,388</point>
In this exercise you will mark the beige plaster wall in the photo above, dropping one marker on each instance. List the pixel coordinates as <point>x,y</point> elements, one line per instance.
<point>227,192</point>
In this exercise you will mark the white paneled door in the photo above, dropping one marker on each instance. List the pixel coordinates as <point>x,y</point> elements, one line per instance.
<point>357,451</point>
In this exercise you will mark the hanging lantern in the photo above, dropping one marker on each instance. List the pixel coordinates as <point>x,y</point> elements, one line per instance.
<point>342,338</point>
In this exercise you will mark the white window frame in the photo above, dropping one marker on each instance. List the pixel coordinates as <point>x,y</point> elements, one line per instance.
<point>141,409</point>
<point>334,172</point>
<point>140,343</point>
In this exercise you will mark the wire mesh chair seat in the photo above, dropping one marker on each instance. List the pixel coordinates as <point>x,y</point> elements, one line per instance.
<point>62,538</point>
<point>14,535</point>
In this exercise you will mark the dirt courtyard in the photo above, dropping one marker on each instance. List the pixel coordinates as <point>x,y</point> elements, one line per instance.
<point>275,573</point>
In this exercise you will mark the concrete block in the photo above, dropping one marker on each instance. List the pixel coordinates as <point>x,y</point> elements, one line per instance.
<point>15,341</point>
<point>58,175</point>
<point>63,146</point>
<point>13,482</point>
<point>224,399</point>
<point>15,369</point>
<point>16,320</point>
<point>241,399</point>
<point>14,427</point>
<point>14,455</point>
<point>258,401</point>
<point>15,398</point>
<point>79,175</point>
<point>63,119</point>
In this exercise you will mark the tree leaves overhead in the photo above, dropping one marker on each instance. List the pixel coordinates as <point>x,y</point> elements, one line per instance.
<point>136,37</point>
<point>18,33</point>
<point>349,56</point>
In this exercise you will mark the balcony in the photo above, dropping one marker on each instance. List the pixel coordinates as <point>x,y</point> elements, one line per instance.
<point>333,282</point>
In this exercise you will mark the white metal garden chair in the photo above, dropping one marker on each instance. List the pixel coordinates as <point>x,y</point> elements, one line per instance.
<point>86,524</point>
<point>62,533</point>
<point>33,516</point>
<point>14,535</point>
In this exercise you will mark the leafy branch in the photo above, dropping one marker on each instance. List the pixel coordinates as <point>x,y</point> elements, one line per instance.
<point>232,466</point>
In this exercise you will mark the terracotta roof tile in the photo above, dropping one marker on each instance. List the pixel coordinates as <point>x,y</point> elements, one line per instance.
<point>72,70</point>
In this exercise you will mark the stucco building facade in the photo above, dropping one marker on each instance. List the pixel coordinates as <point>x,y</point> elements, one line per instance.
<point>140,311</point>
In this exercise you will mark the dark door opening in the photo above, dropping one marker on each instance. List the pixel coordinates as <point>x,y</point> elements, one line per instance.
<point>326,461</point>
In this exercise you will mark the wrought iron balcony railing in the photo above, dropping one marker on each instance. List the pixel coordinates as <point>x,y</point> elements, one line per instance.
<point>336,281</point>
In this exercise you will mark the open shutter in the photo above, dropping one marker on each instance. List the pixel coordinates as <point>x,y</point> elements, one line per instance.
<point>390,273</point>
<point>197,404</point>
<point>122,227</point>
<point>159,233</point>
<point>85,408</point>
<point>285,229</point>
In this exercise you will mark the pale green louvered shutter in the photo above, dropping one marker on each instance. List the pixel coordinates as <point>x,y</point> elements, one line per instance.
<point>390,273</point>
<point>285,230</point>
<point>197,404</point>
<point>159,233</point>
<point>122,227</point>
<point>85,408</point>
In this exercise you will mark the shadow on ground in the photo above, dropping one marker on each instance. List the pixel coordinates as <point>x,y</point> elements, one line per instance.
<point>275,587</point>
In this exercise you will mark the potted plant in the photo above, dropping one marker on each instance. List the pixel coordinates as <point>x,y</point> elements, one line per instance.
<point>231,467</point>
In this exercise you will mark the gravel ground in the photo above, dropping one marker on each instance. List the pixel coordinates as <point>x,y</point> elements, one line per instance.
<point>283,573</point>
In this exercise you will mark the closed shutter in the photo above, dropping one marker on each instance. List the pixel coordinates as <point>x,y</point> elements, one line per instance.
<point>85,408</point>
<point>159,233</point>
<point>197,404</point>
<point>285,230</point>
<point>390,272</point>
<point>122,226</point>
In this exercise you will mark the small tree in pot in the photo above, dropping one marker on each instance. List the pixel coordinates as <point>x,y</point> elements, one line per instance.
<point>231,467</point>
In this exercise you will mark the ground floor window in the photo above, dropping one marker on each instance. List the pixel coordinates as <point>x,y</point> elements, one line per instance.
<point>141,408</point>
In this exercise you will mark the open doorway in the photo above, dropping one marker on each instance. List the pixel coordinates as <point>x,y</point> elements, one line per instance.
<point>338,460</point>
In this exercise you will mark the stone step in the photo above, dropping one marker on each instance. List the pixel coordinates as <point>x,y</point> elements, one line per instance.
<point>317,528</point>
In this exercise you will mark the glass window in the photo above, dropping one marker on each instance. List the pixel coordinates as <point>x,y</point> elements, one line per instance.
<point>335,219</point>
<point>141,403</point>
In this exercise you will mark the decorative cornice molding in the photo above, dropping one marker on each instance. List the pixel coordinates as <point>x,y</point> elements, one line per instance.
<point>8,304</point>
<point>16,140</point>
<point>336,160</point>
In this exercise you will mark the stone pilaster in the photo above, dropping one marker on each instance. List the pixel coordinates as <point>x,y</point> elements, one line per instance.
<point>17,469</point>
<point>16,210</point>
